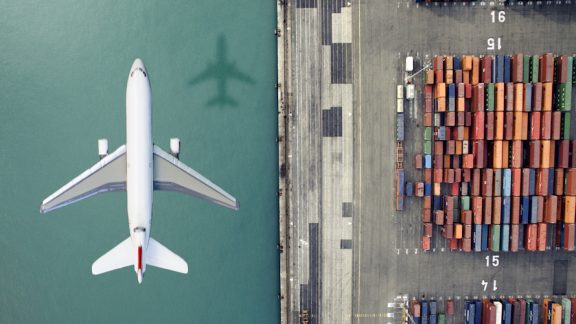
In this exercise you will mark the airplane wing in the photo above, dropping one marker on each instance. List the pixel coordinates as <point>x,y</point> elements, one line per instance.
<point>108,174</point>
<point>172,175</point>
<point>234,73</point>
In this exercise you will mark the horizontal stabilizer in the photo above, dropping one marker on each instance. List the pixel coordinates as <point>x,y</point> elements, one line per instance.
<point>122,255</point>
<point>159,256</point>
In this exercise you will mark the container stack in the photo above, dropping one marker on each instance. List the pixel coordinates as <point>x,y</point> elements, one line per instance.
<point>499,168</point>
<point>399,182</point>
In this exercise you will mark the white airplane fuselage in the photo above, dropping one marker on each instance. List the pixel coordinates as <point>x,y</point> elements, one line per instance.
<point>139,159</point>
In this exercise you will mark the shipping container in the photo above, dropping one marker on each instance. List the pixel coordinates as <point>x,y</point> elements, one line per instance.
<point>541,245</point>
<point>550,209</point>
<point>495,243</point>
<point>527,97</point>
<point>517,67</point>
<point>534,68</point>
<point>546,73</point>
<point>530,237</point>
<point>537,97</point>
<point>507,69</point>
<point>505,239</point>
<point>514,234</point>
<point>569,232</point>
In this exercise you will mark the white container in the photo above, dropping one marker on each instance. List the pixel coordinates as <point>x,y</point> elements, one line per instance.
<point>410,91</point>
<point>409,63</point>
<point>399,105</point>
<point>400,92</point>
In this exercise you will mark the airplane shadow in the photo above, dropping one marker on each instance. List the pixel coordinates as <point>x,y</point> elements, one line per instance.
<point>221,70</point>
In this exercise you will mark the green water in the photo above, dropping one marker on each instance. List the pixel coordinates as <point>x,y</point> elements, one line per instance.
<point>63,72</point>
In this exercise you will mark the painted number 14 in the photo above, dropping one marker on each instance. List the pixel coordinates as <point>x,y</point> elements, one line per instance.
<point>485,284</point>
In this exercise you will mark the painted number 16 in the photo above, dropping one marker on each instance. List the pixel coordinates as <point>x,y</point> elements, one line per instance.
<point>499,16</point>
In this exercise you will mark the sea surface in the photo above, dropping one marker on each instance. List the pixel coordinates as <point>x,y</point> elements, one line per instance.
<point>63,72</point>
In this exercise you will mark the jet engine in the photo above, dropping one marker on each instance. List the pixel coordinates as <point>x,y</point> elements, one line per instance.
<point>102,147</point>
<point>175,147</point>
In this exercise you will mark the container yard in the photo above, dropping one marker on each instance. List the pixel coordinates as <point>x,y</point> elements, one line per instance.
<point>499,171</point>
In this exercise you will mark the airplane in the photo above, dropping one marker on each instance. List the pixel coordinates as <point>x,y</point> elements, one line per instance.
<point>221,71</point>
<point>138,167</point>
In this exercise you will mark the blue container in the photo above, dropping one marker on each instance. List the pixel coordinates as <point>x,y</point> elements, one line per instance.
<point>427,161</point>
<point>505,237</point>
<point>451,104</point>
<point>485,237</point>
<point>534,210</point>
<point>525,210</point>
<point>424,312</point>
<point>451,90</point>
<point>400,126</point>
<point>456,63</point>
<point>534,315</point>
<point>499,68</point>
<point>442,133</point>
<point>437,203</point>
<point>470,312</point>
<point>409,189</point>
<point>477,238</point>
<point>433,307</point>
<point>433,319</point>
<point>478,312</point>
<point>532,185</point>
<point>507,69</point>
<point>551,180</point>
<point>505,210</point>
<point>506,182</point>
<point>427,189</point>
<point>506,313</point>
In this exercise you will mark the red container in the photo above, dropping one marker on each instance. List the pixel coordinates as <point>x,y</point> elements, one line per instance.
<point>468,121</point>
<point>570,189</point>
<point>514,230</point>
<point>573,159</point>
<point>486,69</point>
<point>439,217</point>
<point>450,119</point>
<point>467,245</point>
<point>467,91</point>
<point>468,161</point>
<point>545,125</point>
<point>550,209</point>
<point>537,97</point>
<point>488,182</point>
<point>515,210</point>
<point>448,231</point>
<point>541,237</point>
<point>559,182</point>
<point>562,69</point>
<point>438,148</point>
<point>467,231</point>
<point>496,210</point>
<point>450,307</point>
<point>428,119</point>
<point>453,244</point>
<point>509,100</point>
<point>542,182</point>
<point>535,119</point>
<point>425,243</point>
<point>427,175</point>
<point>458,76</point>
<point>479,154</point>
<point>427,229</point>
<point>534,154</point>
<point>477,204</point>
<point>530,237</point>
<point>489,134</point>
<point>438,174</point>
<point>516,182</point>
<point>569,232</point>
<point>487,210</point>
<point>525,182</point>
<point>427,202</point>
<point>478,97</point>
<point>517,67</point>
<point>509,125</point>
<point>478,128</point>
<point>476,181</point>
<point>563,151</point>
<point>546,68</point>
<point>467,217</point>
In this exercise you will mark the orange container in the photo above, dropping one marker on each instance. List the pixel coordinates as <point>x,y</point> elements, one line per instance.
<point>541,237</point>
<point>425,243</point>
<point>497,155</point>
<point>430,77</point>
<point>440,90</point>
<point>550,209</point>
<point>505,153</point>
<point>466,62</point>
<point>547,96</point>
<point>518,97</point>
<point>460,106</point>
<point>499,122</point>
<point>545,154</point>
<point>449,76</point>
<point>475,70</point>
<point>517,126</point>
<point>569,209</point>
<point>499,88</point>
<point>457,231</point>
<point>525,125</point>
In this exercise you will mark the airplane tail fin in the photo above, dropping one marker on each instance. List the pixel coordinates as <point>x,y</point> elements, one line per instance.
<point>159,256</point>
<point>119,257</point>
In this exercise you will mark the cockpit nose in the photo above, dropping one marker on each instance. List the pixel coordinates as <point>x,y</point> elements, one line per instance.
<point>138,68</point>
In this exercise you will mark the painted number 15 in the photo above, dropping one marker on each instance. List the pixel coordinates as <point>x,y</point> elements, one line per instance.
<point>492,260</point>
<point>494,43</point>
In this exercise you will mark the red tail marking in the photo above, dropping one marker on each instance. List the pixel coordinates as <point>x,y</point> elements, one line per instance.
<point>139,257</point>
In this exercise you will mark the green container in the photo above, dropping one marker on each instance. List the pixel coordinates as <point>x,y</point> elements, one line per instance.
<point>573,71</point>
<point>428,147</point>
<point>526,68</point>
<point>534,68</point>
<point>566,125</point>
<point>564,96</point>
<point>465,202</point>
<point>427,133</point>
<point>489,96</point>
<point>566,308</point>
<point>495,238</point>
<point>442,318</point>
